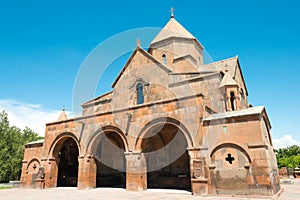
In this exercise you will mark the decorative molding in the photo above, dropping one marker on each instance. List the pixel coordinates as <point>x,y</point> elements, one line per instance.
<point>202,180</point>
<point>198,169</point>
<point>257,145</point>
<point>211,166</point>
<point>139,80</point>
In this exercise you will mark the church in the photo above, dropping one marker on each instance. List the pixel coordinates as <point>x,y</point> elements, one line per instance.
<point>171,121</point>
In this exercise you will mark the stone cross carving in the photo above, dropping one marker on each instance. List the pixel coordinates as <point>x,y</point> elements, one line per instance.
<point>229,158</point>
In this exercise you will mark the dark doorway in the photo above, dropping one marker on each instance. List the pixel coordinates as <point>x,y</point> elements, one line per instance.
<point>68,164</point>
<point>110,161</point>
<point>167,158</point>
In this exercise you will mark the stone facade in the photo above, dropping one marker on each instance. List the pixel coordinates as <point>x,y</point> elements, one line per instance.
<point>171,121</point>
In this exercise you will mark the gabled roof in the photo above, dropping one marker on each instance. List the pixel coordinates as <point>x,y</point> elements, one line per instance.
<point>148,55</point>
<point>231,65</point>
<point>222,65</point>
<point>103,97</point>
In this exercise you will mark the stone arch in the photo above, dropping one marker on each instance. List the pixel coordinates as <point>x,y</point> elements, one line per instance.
<point>233,146</point>
<point>63,156</point>
<point>231,169</point>
<point>159,122</point>
<point>108,146</point>
<point>107,129</point>
<point>58,142</point>
<point>164,144</point>
<point>33,166</point>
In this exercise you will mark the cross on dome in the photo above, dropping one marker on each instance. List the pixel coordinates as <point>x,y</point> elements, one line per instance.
<point>172,12</point>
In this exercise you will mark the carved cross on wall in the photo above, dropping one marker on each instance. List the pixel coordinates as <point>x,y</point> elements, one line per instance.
<point>229,158</point>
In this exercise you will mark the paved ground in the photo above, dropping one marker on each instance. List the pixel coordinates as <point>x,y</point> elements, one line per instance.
<point>291,192</point>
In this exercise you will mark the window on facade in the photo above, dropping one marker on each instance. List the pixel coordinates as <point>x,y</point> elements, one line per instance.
<point>164,59</point>
<point>232,101</point>
<point>140,94</point>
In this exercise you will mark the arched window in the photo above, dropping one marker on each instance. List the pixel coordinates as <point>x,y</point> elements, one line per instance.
<point>140,93</point>
<point>164,59</point>
<point>232,101</point>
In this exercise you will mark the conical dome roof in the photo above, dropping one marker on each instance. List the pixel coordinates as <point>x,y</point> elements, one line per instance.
<point>173,29</point>
<point>62,116</point>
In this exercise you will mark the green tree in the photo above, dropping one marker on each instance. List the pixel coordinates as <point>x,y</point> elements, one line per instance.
<point>12,144</point>
<point>288,157</point>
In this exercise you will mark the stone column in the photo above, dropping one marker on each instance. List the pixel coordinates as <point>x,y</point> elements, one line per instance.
<point>24,176</point>
<point>51,171</point>
<point>136,171</point>
<point>87,172</point>
<point>40,181</point>
<point>228,102</point>
<point>199,181</point>
<point>212,184</point>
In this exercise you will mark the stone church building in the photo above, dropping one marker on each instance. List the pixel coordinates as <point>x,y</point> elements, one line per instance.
<point>170,121</point>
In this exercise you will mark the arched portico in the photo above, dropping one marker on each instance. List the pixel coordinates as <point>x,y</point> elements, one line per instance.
<point>108,147</point>
<point>159,124</point>
<point>63,155</point>
<point>164,144</point>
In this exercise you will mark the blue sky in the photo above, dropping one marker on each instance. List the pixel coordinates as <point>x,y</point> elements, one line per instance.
<point>43,43</point>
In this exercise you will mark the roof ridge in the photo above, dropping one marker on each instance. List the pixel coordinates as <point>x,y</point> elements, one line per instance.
<point>232,58</point>
<point>138,48</point>
<point>96,98</point>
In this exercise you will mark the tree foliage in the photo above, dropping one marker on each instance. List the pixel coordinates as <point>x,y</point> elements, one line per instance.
<point>288,157</point>
<point>12,145</point>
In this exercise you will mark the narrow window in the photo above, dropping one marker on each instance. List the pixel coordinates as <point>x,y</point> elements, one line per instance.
<point>140,94</point>
<point>164,59</point>
<point>242,96</point>
<point>232,101</point>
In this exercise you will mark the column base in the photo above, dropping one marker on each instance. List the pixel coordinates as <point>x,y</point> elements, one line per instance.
<point>199,186</point>
<point>136,182</point>
<point>39,183</point>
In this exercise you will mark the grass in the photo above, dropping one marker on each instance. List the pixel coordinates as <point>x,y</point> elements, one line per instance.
<point>4,187</point>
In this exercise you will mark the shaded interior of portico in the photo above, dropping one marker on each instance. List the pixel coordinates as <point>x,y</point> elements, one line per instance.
<point>108,151</point>
<point>165,149</point>
<point>68,164</point>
